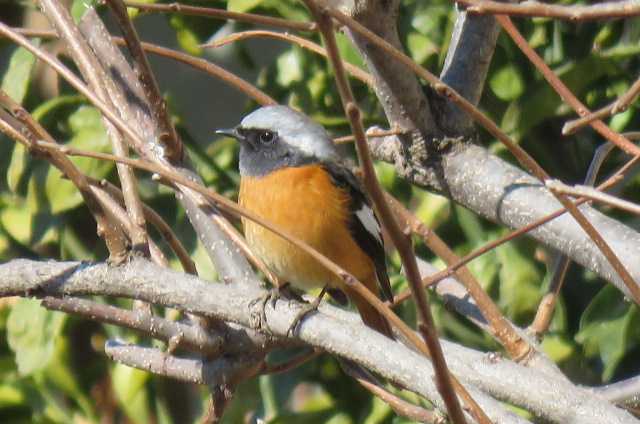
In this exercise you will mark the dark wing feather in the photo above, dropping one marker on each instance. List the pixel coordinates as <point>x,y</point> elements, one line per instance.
<point>370,243</point>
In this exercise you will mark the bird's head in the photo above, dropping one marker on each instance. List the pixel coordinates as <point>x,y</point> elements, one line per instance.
<point>275,137</point>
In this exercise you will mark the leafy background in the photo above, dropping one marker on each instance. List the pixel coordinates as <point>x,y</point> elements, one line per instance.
<point>52,369</point>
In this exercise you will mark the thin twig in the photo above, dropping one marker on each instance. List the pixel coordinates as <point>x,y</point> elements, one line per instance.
<point>74,81</point>
<point>98,81</point>
<point>572,12</point>
<point>191,337</point>
<point>116,211</point>
<point>168,135</point>
<point>619,105</point>
<point>599,126</point>
<point>517,347</point>
<point>232,269</point>
<point>219,398</point>
<point>212,69</point>
<point>28,133</point>
<point>401,241</point>
<point>222,14</point>
<point>546,308</point>
<point>562,90</point>
<point>593,194</point>
<point>203,65</point>
<point>450,270</point>
<point>159,223</point>
<point>291,363</point>
<point>399,405</point>
<point>370,133</point>
<point>302,42</point>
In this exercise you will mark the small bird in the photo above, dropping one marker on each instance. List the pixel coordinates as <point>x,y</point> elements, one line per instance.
<point>291,176</point>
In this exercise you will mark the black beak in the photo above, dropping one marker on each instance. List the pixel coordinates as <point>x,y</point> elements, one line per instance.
<point>231,132</point>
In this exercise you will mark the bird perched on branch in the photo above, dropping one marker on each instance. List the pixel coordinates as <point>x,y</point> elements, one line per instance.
<point>291,176</point>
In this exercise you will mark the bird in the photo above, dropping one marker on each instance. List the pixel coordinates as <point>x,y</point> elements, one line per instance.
<point>292,175</point>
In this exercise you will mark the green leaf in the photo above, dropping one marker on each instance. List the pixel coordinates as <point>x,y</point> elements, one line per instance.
<point>471,225</point>
<point>380,411</point>
<point>289,66</point>
<point>16,80</point>
<point>520,281</point>
<point>420,47</point>
<point>557,347</point>
<point>187,37</point>
<point>51,105</point>
<point>433,209</point>
<point>17,167</point>
<point>129,387</point>
<point>32,332</point>
<point>609,328</point>
<point>80,7</point>
<point>507,83</point>
<point>242,5</point>
<point>348,52</point>
<point>62,378</point>
<point>28,227</point>
<point>621,120</point>
<point>11,395</point>
<point>89,134</point>
<point>85,117</point>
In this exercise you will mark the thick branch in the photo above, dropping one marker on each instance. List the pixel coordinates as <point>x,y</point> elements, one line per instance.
<point>503,193</point>
<point>465,69</point>
<point>331,329</point>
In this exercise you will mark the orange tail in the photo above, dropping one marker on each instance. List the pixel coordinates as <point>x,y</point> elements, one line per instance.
<point>370,316</point>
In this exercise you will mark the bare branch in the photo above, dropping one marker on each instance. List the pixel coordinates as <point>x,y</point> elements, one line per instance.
<point>210,226</point>
<point>619,105</point>
<point>331,329</point>
<point>517,347</point>
<point>291,364</point>
<point>626,392</point>
<point>593,194</point>
<point>399,405</point>
<point>573,12</point>
<point>99,82</point>
<point>465,68</point>
<point>294,39</point>
<point>221,371</point>
<point>23,128</point>
<point>188,336</point>
<point>158,222</point>
<point>222,14</point>
<point>167,133</point>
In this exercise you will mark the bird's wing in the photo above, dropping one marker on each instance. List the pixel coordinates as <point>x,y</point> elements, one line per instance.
<point>363,223</point>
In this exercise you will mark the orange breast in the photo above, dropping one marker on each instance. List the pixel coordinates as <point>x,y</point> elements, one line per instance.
<point>304,202</point>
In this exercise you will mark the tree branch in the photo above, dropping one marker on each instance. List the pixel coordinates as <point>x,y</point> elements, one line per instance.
<point>332,329</point>
<point>465,68</point>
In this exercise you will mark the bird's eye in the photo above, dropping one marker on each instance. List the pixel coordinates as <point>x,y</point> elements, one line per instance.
<point>267,137</point>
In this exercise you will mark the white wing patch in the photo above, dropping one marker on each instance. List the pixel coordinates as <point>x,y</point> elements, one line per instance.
<point>369,222</point>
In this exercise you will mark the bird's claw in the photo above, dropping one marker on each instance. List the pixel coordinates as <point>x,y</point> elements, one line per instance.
<point>306,310</point>
<point>271,297</point>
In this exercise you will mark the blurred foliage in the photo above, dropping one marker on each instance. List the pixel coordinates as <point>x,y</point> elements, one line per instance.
<point>51,366</point>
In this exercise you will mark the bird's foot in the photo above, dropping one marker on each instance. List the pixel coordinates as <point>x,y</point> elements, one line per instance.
<point>306,310</point>
<point>271,297</point>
